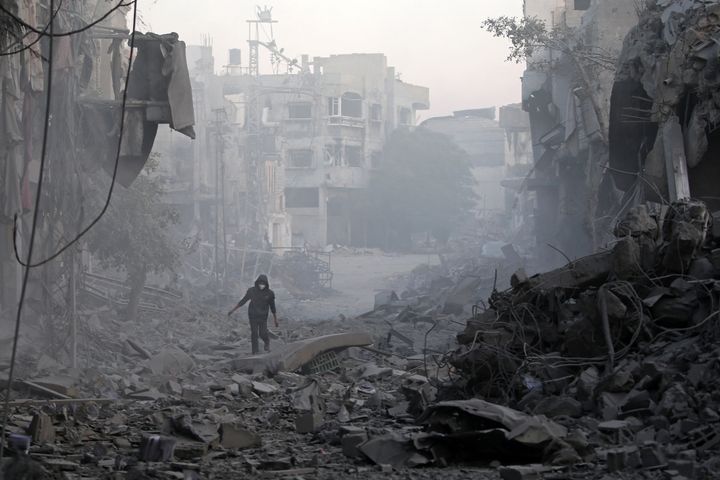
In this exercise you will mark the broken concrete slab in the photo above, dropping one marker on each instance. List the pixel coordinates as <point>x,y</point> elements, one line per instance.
<point>350,443</point>
<point>309,422</point>
<point>233,437</point>
<point>393,449</point>
<point>171,361</point>
<point>263,388</point>
<point>581,273</point>
<point>65,386</point>
<point>523,428</point>
<point>294,355</point>
<point>385,298</point>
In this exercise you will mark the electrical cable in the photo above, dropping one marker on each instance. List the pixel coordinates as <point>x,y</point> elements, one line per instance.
<point>43,156</point>
<point>33,231</point>
<point>115,169</point>
<point>72,32</point>
<point>34,42</point>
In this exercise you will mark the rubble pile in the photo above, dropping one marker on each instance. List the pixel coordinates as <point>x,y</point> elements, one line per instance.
<point>621,347</point>
<point>601,369</point>
<point>665,103</point>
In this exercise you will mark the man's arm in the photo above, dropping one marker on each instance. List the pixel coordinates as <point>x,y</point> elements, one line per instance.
<point>242,302</point>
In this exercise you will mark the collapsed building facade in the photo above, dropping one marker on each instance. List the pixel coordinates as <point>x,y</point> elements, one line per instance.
<point>567,95</point>
<point>74,106</point>
<point>663,135</point>
<point>520,202</point>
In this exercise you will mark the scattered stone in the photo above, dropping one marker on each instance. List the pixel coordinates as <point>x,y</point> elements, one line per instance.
<point>41,429</point>
<point>528,472</point>
<point>234,437</point>
<point>309,422</point>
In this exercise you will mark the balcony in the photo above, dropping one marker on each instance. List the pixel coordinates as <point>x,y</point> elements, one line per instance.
<point>343,121</point>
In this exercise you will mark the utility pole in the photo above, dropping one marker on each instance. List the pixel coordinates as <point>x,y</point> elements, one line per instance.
<point>264,16</point>
<point>73,308</point>
<point>218,127</point>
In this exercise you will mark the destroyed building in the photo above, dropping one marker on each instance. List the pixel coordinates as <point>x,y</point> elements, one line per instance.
<point>95,121</point>
<point>520,203</point>
<point>665,108</point>
<point>567,94</point>
<point>604,368</point>
<point>297,147</point>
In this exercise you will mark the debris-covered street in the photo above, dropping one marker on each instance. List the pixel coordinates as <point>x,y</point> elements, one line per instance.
<point>224,258</point>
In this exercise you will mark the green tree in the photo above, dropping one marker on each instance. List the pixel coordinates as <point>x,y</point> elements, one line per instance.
<point>527,35</point>
<point>424,185</point>
<point>134,236</point>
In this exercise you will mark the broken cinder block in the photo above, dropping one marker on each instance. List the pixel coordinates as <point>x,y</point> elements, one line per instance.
<point>350,443</point>
<point>309,422</point>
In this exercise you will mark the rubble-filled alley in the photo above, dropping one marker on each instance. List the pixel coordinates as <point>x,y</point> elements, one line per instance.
<point>302,276</point>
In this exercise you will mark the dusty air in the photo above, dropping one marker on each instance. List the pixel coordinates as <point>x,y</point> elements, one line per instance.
<point>331,239</point>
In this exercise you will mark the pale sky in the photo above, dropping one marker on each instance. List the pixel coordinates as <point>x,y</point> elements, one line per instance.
<point>435,43</point>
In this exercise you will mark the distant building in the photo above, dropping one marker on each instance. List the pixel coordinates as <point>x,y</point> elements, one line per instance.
<point>314,138</point>
<point>477,133</point>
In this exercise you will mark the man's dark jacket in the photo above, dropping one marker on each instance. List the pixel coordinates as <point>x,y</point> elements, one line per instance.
<point>261,301</point>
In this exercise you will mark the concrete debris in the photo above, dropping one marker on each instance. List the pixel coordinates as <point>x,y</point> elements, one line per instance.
<point>234,437</point>
<point>621,370</point>
<point>294,355</point>
<point>599,368</point>
<point>41,429</point>
<point>171,362</point>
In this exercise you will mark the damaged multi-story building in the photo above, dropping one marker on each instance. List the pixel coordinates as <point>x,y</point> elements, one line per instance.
<point>566,91</point>
<point>101,114</point>
<point>298,145</point>
<point>665,107</point>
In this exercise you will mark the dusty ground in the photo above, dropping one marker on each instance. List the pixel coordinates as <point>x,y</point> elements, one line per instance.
<point>357,277</point>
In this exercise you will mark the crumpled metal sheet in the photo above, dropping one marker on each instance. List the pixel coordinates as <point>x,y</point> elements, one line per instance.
<point>530,430</point>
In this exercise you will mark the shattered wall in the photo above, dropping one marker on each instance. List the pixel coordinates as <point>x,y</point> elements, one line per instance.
<point>566,93</point>
<point>665,106</point>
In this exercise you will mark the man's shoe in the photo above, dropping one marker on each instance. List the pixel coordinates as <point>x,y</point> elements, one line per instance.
<point>267,347</point>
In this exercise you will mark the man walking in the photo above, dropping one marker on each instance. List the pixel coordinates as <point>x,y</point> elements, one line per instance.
<point>262,300</point>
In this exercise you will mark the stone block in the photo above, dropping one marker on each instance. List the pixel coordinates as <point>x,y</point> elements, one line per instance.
<point>234,437</point>
<point>41,429</point>
<point>350,443</point>
<point>309,422</point>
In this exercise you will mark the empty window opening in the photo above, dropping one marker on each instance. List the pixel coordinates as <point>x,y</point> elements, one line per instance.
<point>301,158</point>
<point>582,4</point>
<point>351,105</point>
<point>355,156</point>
